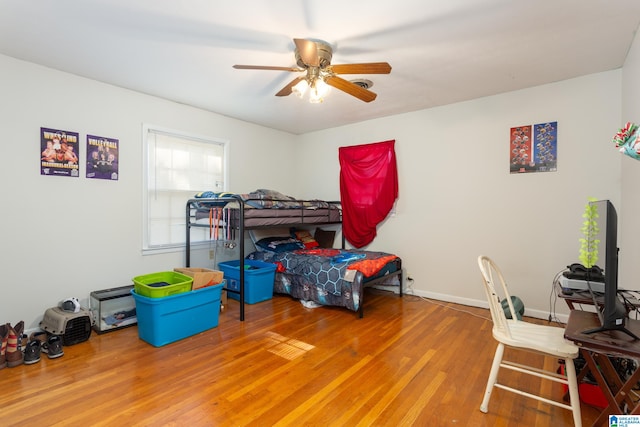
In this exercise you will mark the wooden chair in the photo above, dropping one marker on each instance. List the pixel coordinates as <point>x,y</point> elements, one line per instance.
<point>518,334</point>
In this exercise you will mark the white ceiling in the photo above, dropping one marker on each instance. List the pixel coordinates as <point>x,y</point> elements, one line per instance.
<point>441,51</point>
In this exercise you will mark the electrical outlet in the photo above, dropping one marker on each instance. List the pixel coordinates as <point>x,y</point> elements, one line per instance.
<point>212,253</point>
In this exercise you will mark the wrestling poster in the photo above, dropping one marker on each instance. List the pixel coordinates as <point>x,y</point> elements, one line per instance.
<point>58,152</point>
<point>102,157</point>
<point>534,148</point>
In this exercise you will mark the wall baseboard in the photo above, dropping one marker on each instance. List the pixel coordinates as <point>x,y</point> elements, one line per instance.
<point>538,314</point>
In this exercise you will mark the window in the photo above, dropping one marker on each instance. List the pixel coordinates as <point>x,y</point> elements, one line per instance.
<point>176,167</point>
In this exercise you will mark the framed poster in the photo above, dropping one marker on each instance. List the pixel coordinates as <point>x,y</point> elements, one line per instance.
<point>58,152</point>
<point>534,148</point>
<point>102,157</point>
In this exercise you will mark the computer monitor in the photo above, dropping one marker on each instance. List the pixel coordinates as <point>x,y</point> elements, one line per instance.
<point>614,314</point>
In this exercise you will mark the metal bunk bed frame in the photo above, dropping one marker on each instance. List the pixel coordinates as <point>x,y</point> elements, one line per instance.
<point>241,228</point>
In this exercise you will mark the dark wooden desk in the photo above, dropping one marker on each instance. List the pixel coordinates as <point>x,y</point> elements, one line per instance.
<point>579,297</point>
<point>585,298</point>
<point>596,348</point>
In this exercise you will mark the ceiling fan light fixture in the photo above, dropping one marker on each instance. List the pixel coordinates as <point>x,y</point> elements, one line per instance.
<point>314,58</point>
<point>322,88</point>
<point>300,88</point>
<point>315,99</point>
<point>318,91</point>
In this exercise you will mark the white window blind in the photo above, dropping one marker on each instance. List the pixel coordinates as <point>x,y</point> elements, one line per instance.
<point>177,166</point>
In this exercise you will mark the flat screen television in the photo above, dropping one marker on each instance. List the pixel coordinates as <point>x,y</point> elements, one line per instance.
<point>613,314</point>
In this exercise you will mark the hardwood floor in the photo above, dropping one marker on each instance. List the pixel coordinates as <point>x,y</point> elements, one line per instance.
<point>407,362</point>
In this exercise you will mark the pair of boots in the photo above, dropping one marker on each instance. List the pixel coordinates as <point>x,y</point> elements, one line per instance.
<point>11,345</point>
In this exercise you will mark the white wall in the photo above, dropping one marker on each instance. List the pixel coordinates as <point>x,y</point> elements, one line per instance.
<point>65,236</point>
<point>629,243</point>
<point>68,236</point>
<point>457,199</point>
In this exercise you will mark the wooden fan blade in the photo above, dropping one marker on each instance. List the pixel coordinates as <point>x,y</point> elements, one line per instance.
<point>368,68</point>
<point>286,91</point>
<point>350,88</point>
<point>266,67</point>
<point>308,52</point>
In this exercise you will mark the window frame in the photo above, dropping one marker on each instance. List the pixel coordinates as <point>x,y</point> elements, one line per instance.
<point>150,129</point>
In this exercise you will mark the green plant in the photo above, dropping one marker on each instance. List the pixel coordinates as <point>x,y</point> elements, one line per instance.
<point>589,243</point>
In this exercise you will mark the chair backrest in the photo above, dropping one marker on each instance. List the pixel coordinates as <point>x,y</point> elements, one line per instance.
<point>495,288</point>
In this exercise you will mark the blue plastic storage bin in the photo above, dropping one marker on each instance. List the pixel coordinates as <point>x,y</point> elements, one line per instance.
<point>164,320</point>
<point>258,279</point>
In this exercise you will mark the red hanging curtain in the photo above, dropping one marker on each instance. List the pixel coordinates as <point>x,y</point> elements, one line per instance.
<point>368,189</point>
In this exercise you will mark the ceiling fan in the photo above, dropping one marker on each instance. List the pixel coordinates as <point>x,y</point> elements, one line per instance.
<point>314,58</point>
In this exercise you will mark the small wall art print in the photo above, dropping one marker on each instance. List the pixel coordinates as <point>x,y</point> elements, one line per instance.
<point>58,152</point>
<point>102,157</point>
<point>534,148</point>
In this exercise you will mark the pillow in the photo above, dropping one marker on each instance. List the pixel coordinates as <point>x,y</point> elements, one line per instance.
<point>325,238</point>
<point>306,238</point>
<point>263,233</point>
<point>279,244</point>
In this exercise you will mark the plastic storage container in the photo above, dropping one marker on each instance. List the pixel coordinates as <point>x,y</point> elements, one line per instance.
<point>258,279</point>
<point>113,309</point>
<point>165,320</point>
<point>163,284</point>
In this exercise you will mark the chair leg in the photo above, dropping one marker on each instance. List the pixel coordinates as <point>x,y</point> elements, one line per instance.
<point>574,395</point>
<point>493,376</point>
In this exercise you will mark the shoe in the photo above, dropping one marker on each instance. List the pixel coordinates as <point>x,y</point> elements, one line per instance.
<point>13,354</point>
<point>54,347</point>
<point>32,352</point>
<point>4,334</point>
<point>40,336</point>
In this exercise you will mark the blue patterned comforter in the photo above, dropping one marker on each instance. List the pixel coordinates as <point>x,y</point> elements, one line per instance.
<point>324,271</point>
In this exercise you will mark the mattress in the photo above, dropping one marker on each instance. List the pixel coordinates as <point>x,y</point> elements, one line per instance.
<point>266,217</point>
<point>269,217</point>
